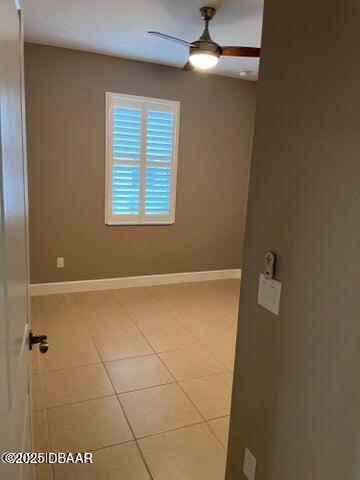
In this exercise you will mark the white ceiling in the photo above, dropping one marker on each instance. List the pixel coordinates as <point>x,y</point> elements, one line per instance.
<point>119,27</point>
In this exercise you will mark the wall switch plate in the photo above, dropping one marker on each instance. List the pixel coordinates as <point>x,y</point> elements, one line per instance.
<point>269,294</point>
<point>60,262</point>
<point>249,465</point>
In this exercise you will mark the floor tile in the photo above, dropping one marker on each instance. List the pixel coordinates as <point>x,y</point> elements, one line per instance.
<point>121,462</point>
<point>37,393</point>
<point>88,425</point>
<point>164,292</point>
<point>225,352</point>
<point>193,313</point>
<point>158,409</point>
<point>227,309</point>
<point>58,332</point>
<point>223,287</point>
<point>136,299</point>
<point>213,332</point>
<point>172,338</point>
<point>190,453</point>
<point>62,303</point>
<point>191,363</point>
<point>122,346</point>
<point>171,300</point>
<point>137,373</point>
<point>108,325</point>
<point>55,318</point>
<point>40,432</point>
<point>176,291</point>
<point>232,320</point>
<point>100,302</point>
<point>220,426</point>
<point>35,361</point>
<point>76,384</point>
<point>132,295</point>
<point>72,353</point>
<point>154,319</point>
<point>211,395</point>
<point>44,471</point>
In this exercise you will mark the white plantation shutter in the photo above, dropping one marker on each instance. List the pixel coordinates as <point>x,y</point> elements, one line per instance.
<point>141,159</point>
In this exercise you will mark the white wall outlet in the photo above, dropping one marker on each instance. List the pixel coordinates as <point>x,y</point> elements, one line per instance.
<point>269,294</point>
<point>249,464</point>
<point>60,262</point>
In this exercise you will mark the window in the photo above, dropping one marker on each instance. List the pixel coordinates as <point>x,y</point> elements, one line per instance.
<point>141,159</point>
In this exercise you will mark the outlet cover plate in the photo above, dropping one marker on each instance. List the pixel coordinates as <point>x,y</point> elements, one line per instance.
<point>60,262</point>
<point>249,465</point>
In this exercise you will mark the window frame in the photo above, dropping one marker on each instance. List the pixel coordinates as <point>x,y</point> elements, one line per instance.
<point>114,99</point>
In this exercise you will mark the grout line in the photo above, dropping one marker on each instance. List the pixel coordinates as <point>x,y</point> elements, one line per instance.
<point>129,425</point>
<point>125,416</point>
<point>71,367</point>
<point>186,327</point>
<point>200,422</point>
<point>128,357</point>
<point>217,438</point>
<point>147,388</point>
<point>182,427</point>
<point>212,354</point>
<point>80,401</point>
<point>112,445</point>
<point>200,344</point>
<point>217,418</point>
<point>200,376</point>
<point>213,433</point>
<point>104,362</point>
<point>138,329</point>
<point>203,422</point>
<point>135,440</point>
<point>174,380</point>
<point>178,383</point>
<point>207,345</point>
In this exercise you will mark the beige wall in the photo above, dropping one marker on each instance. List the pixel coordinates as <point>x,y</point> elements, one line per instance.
<point>65,94</point>
<point>296,401</point>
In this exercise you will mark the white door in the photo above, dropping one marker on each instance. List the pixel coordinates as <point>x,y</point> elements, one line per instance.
<point>15,432</point>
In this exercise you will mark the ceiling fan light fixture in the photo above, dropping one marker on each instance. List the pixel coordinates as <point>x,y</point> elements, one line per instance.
<point>204,52</point>
<point>204,60</point>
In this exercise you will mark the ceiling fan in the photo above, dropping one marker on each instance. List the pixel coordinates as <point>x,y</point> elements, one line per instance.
<point>205,53</point>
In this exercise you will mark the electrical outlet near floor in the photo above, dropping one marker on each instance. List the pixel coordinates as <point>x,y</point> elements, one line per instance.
<point>60,262</point>
<point>249,464</point>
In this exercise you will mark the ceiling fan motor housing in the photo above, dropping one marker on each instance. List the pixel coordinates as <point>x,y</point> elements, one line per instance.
<point>204,46</point>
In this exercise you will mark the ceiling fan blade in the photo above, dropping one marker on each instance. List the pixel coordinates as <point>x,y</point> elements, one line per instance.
<point>188,66</point>
<point>240,51</point>
<point>171,38</point>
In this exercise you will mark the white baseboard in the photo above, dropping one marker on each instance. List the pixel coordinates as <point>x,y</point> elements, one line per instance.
<point>123,282</point>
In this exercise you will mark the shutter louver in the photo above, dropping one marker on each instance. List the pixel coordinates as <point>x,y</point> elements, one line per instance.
<point>125,191</point>
<point>157,192</point>
<point>126,133</point>
<point>160,126</point>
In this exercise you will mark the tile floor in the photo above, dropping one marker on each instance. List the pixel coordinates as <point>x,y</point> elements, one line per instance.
<point>141,377</point>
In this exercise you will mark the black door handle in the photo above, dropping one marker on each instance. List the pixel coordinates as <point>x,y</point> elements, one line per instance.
<point>41,340</point>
